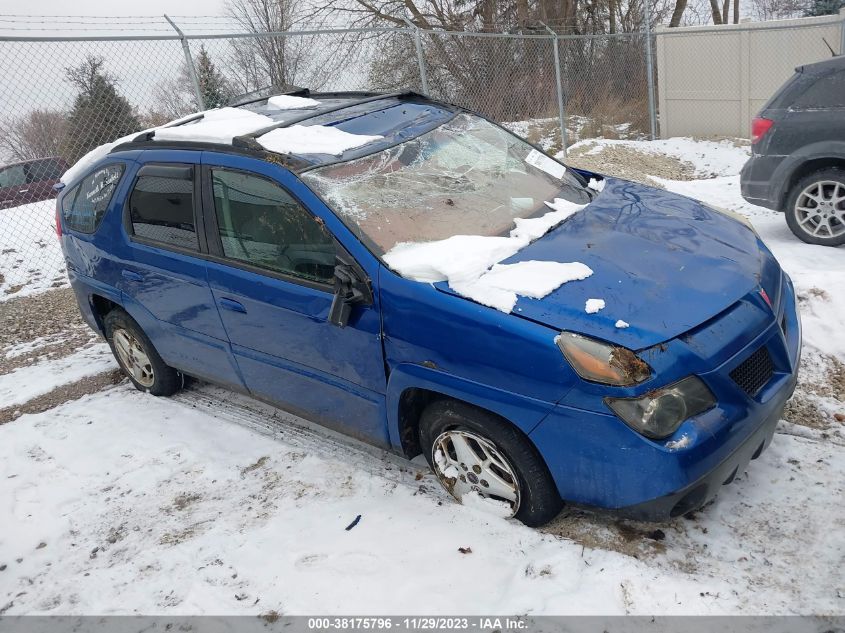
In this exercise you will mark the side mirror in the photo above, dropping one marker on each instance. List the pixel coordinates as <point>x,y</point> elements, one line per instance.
<point>349,290</point>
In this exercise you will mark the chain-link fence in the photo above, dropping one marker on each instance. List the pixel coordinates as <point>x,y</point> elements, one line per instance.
<point>63,96</point>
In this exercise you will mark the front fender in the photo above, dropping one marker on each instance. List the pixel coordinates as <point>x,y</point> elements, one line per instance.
<point>525,413</point>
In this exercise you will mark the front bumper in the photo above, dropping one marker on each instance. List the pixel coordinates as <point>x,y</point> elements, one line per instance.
<point>598,461</point>
<point>698,493</point>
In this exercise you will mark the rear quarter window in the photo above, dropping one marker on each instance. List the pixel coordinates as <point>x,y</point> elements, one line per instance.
<point>13,176</point>
<point>826,92</point>
<point>85,205</point>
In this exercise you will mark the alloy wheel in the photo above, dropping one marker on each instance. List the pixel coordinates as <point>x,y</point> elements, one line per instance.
<point>467,464</point>
<point>133,358</point>
<point>820,209</point>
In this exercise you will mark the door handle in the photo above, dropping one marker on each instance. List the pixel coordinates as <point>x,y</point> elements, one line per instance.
<point>130,275</point>
<point>231,304</point>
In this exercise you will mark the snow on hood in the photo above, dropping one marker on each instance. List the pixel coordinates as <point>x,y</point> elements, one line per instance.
<point>470,263</point>
<point>313,139</point>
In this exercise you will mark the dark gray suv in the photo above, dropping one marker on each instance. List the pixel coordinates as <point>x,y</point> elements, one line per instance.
<point>797,163</point>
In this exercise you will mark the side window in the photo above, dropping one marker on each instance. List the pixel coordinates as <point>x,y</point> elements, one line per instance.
<point>161,207</point>
<point>827,92</point>
<point>83,209</point>
<point>262,225</point>
<point>13,176</point>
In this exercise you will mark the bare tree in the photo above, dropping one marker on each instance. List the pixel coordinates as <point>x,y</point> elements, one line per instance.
<point>34,135</point>
<point>284,60</point>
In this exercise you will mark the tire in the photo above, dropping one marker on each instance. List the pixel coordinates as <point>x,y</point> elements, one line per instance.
<point>137,357</point>
<point>450,426</point>
<point>814,205</point>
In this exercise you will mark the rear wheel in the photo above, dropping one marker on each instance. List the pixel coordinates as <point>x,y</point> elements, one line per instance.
<point>815,209</point>
<point>484,461</point>
<point>137,357</point>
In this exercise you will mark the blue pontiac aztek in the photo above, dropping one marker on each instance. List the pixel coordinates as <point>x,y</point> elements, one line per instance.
<point>618,347</point>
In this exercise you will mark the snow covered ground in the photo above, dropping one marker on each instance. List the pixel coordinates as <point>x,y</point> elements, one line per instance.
<point>30,256</point>
<point>119,502</point>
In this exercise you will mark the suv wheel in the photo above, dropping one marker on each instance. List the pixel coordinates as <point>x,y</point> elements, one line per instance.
<point>137,357</point>
<point>480,459</point>
<point>815,209</point>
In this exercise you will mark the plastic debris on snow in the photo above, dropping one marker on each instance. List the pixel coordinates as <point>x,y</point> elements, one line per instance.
<point>289,102</point>
<point>216,126</point>
<point>593,305</point>
<point>465,261</point>
<point>313,139</point>
<point>621,324</point>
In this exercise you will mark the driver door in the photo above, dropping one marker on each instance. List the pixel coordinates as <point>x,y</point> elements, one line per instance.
<point>271,272</point>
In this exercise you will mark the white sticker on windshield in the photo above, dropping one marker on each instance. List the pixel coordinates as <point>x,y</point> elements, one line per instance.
<point>546,164</point>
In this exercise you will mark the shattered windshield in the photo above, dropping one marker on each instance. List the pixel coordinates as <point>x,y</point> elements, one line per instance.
<point>466,177</point>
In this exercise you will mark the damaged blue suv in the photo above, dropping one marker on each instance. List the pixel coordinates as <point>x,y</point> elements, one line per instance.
<point>416,276</point>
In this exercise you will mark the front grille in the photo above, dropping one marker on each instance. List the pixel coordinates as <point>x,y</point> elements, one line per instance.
<point>754,372</point>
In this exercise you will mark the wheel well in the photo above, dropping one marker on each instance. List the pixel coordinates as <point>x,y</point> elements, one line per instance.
<point>101,306</point>
<point>412,403</point>
<point>805,169</point>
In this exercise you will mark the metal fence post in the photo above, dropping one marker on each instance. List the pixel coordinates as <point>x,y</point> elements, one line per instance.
<point>649,64</point>
<point>189,60</point>
<point>561,113</point>
<point>842,32</point>
<point>420,58</point>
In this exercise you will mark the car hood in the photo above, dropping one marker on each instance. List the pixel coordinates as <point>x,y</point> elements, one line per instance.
<point>662,262</point>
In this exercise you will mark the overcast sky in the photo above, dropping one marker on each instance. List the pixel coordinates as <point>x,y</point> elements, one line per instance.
<point>110,7</point>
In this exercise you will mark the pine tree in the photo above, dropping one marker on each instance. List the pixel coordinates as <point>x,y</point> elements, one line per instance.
<point>824,7</point>
<point>100,113</point>
<point>214,88</point>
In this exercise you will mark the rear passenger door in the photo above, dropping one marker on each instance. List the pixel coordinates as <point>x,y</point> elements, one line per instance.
<point>271,268</point>
<point>163,276</point>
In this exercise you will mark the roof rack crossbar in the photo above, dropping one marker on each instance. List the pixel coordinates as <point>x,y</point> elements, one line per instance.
<point>149,135</point>
<point>296,92</point>
<point>320,112</point>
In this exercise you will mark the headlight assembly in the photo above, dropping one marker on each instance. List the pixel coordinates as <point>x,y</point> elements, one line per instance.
<point>659,413</point>
<point>602,362</point>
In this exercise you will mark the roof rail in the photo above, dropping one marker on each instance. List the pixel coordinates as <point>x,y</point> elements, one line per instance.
<point>148,135</point>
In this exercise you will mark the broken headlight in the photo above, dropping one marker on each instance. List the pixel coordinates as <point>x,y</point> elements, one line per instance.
<point>602,362</point>
<point>659,413</point>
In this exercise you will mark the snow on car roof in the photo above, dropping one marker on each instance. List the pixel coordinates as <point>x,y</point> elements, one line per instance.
<point>380,121</point>
<point>337,126</point>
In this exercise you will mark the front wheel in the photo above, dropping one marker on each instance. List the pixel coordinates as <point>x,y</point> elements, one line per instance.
<point>482,460</point>
<point>137,357</point>
<point>815,209</point>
